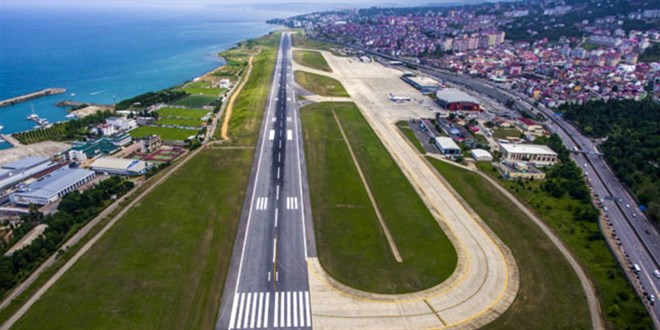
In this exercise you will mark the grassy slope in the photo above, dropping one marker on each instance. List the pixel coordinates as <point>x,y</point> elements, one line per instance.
<point>345,222</point>
<point>245,121</point>
<point>617,298</point>
<point>550,294</point>
<point>311,59</point>
<point>320,85</point>
<point>162,265</point>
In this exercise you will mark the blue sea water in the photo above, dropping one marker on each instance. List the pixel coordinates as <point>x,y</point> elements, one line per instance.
<point>108,55</point>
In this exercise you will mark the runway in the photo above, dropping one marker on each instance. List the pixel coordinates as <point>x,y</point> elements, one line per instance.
<point>267,284</point>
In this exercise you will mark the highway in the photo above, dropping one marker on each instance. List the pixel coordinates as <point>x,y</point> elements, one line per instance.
<point>267,283</point>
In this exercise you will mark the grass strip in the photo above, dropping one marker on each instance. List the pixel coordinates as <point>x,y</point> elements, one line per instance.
<point>311,59</point>
<point>320,85</point>
<point>344,220</point>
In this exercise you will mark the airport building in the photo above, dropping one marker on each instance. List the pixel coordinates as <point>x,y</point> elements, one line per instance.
<point>20,170</point>
<point>119,166</point>
<point>52,186</point>
<point>447,146</point>
<point>81,151</point>
<point>457,100</point>
<point>424,84</point>
<point>534,153</point>
<point>481,155</point>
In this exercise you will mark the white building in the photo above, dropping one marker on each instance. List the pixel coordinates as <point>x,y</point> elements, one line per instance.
<point>119,166</point>
<point>20,170</point>
<point>121,123</point>
<point>447,146</point>
<point>534,153</point>
<point>52,186</point>
<point>481,155</point>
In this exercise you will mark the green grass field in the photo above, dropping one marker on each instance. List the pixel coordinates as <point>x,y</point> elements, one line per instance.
<point>617,298</point>
<point>311,59</point>
<point>404,127</point>
<point>196,101</point>
<point>345,221</point>
<point>179,122</point>
<point>504,133</point>
<point>320,85</point>
<point>168,134</point>
<point>201,88</point>
<point>182,113</point>
<point>162,265</point>
<point>550,295</point>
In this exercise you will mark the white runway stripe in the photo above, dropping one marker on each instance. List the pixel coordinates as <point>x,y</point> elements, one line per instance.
<point>289,134</point>
<point>251,310</point>
<point>262,203</point>
<point>271,135</point>
<point>292,203</point>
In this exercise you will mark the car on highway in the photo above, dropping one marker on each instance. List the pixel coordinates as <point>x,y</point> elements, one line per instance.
<point>636,269</point>
<point>656,273</point>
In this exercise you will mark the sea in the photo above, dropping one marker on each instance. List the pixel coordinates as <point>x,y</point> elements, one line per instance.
<point>105,55</point>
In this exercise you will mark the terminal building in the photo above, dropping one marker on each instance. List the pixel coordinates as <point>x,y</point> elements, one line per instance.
<point>534,153</point>
<point>20,170</point>
<point>119,166</point>
<point>457,100</point>
<point>424,84</point>
<point>52,186</point>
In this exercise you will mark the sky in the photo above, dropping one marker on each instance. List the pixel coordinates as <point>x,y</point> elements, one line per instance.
<point>257,9</point>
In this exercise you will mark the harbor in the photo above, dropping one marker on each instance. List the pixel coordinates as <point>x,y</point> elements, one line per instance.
<point>30,96</point>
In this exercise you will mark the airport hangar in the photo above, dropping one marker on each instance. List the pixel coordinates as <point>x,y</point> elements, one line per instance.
<point>457,100</point>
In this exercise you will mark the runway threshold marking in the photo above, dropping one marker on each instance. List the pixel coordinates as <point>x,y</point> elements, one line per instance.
<point>292,203</point>
<point>289,134</point>
<point>271,135</point>
<point>262,203</point>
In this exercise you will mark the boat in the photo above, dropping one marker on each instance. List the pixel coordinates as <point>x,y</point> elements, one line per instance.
<point>42,122</point>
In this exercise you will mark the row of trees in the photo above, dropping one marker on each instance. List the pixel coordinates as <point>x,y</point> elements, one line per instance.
<point>632,147</point>
<point>151,98</point>
<point>74,211</point>
<point>66,131</point>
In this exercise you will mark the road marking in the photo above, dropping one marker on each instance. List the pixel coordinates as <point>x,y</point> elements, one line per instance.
<point>292,203</point>
<point>289,134</point>
<point>268,276</point>
<point>278,172</point>
<point>254,310</point>
<point>281,133</point>
<point>277,276</point>
<point>295,309</point>
<point>277,192</point>
<point>279,155</point>
<point>280,144</point>
<point>262,203</point>
<point>274,119</point>
<point>308,311</point>
<point>288,308</point>
<point>282,309</point>
<point>232,317</point>
<point>240,310</point>
<point>288,98</point>
<point>281,124</point>
<point>300,179</point>
<point>288,119</point>
<point>246,317</point>
<point>276,217</point>
<point>271,135</point>
<point>275,310</point>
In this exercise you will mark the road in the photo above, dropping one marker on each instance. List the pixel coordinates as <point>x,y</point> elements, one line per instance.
<point>267,284</point>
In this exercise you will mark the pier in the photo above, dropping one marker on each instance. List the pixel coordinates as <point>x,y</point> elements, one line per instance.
<point>30,96</point>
